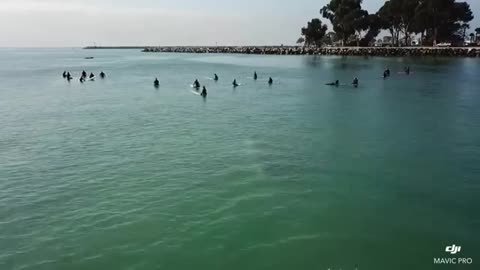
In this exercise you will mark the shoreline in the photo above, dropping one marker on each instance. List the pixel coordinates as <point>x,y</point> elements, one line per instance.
<point>340,51</point>
<point>295,50</point>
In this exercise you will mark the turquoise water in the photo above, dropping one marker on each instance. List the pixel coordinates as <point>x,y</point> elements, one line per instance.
<point>115,174</point>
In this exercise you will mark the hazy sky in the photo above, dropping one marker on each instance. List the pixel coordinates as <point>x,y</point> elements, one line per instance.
<point>72,23</point>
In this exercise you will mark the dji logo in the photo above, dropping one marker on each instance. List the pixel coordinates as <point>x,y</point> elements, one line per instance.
<point>453,249</point>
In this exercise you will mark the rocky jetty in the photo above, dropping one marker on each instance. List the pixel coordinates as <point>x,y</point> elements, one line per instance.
<point>343,51</point>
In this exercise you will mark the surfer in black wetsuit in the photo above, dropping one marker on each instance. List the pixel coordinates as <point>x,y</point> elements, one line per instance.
<point>64,75</point>
<point>204,92</point>
<point>215,78</point>
<point>255,77</point>
<point>156,83</point>
<point>84,74</point>
<point>69,77</point>
<point>102,75</point>
<point>270,81</point>
<point>196,84</point>
<point>355,82</point>
<point>336,83</point>
<point>92,76</point>
<point>386,73</point>
<point>234,83</point>
<point>82,80</point>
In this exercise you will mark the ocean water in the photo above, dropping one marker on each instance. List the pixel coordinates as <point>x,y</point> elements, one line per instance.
<point>115,174</point>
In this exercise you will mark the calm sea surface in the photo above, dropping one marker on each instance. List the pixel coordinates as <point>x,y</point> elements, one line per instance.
<point>115,174</point>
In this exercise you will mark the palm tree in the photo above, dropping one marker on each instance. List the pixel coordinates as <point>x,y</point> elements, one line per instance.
<point>465,27</point>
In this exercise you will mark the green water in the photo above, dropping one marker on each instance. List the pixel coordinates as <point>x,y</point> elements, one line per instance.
<point>115,174</point>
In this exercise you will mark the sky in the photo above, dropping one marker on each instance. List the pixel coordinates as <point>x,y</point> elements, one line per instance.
<point>75,23</point>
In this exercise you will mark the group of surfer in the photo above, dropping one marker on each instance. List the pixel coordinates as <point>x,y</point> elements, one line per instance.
<point>66,75</point>
<point>196,83</point>
<point>386,74</point>
<point>255,77</point>
<point>337,83</point>
<point>234,83</point>
<point>83,77</point>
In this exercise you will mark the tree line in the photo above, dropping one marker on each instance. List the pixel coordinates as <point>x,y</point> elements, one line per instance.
<point>433,21</point>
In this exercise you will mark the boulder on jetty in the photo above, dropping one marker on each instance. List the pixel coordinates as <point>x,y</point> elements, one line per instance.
<point>342,51</point>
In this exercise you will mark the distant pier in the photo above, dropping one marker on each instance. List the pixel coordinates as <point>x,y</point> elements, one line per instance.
<point>114,47</point>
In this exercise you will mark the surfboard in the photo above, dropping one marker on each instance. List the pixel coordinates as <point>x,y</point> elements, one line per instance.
<point>91,79</point>
<point>195,93</point>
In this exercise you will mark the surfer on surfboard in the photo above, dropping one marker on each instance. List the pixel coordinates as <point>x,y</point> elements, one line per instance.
<point>204,92</point>
<point>336,83</point>
<point>386,73</point>
<point>355,82</point>
<point>196,84</point>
